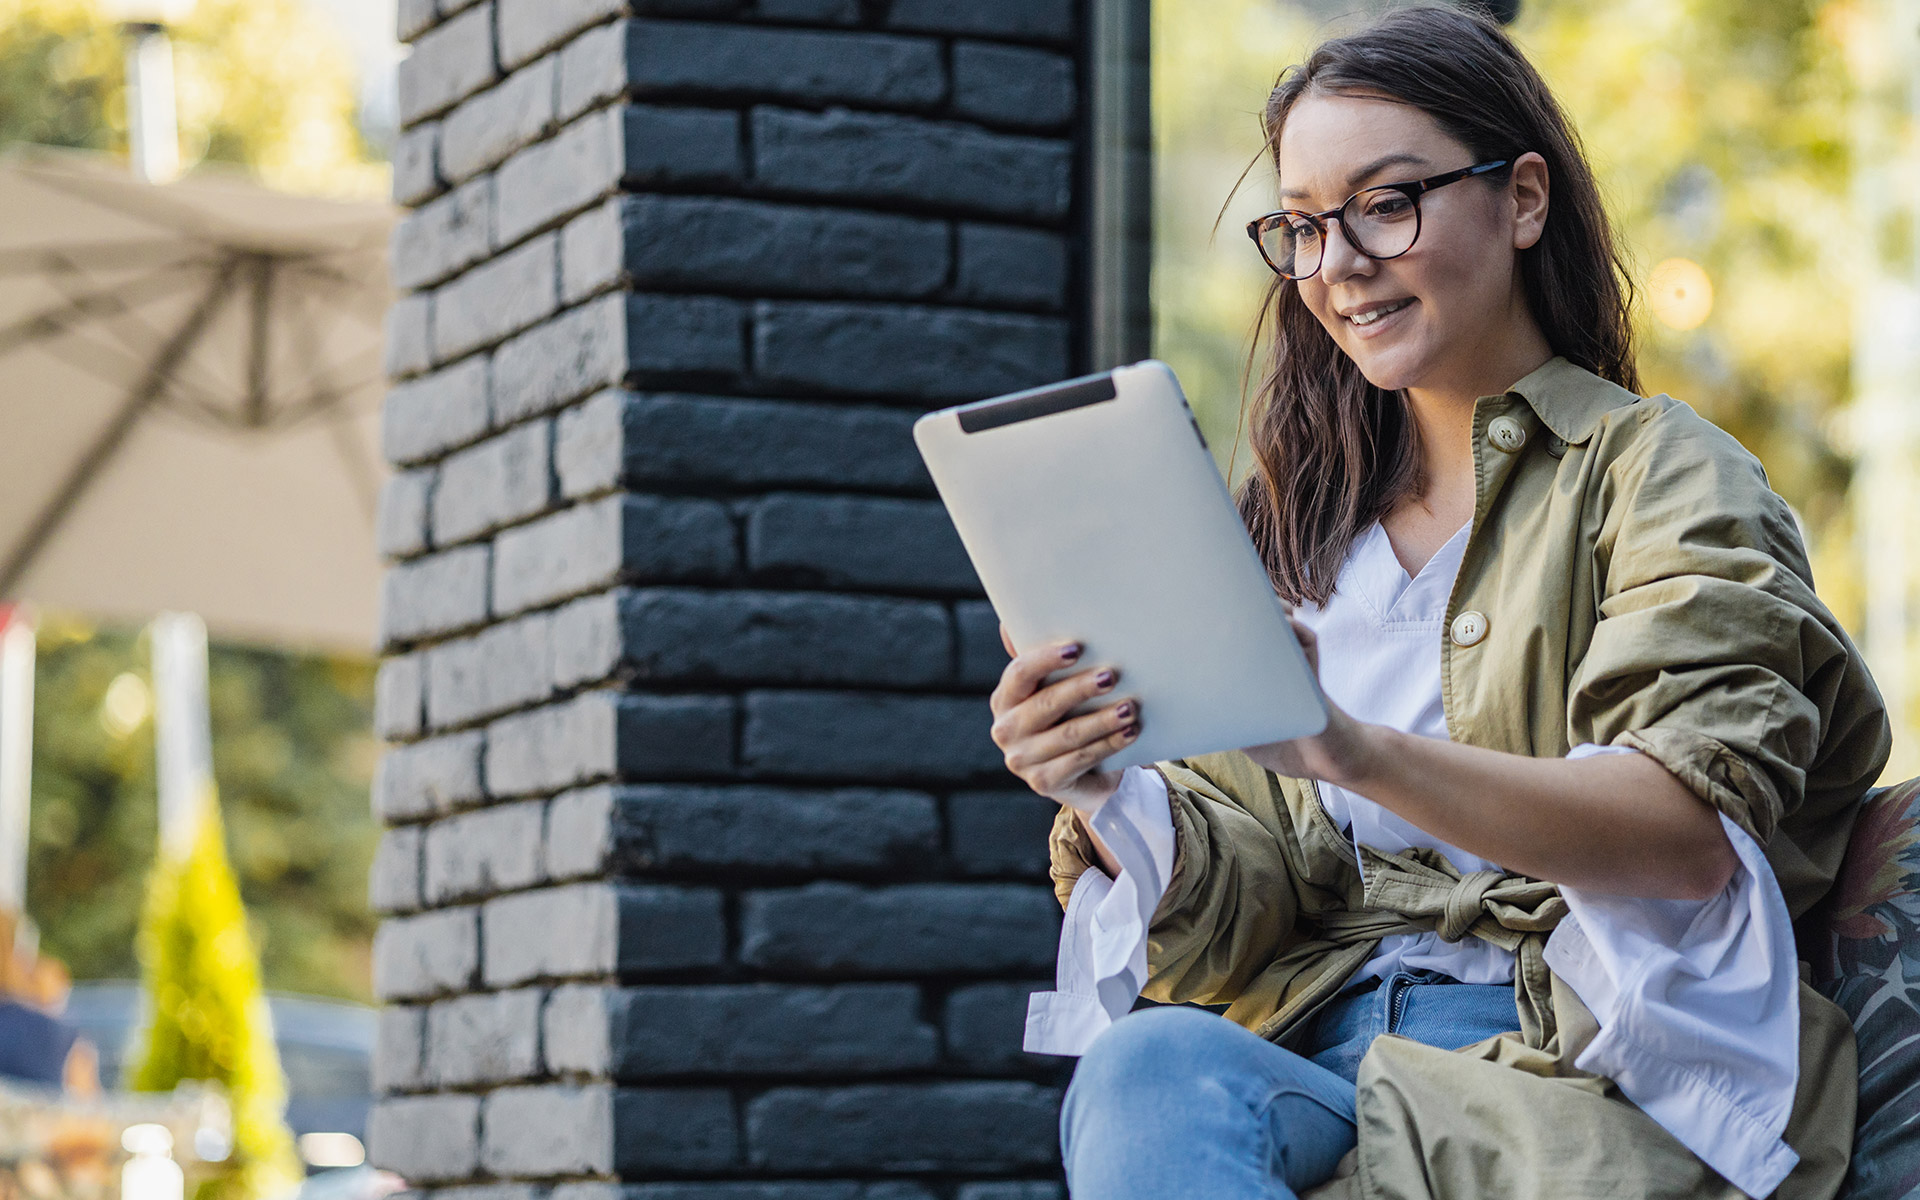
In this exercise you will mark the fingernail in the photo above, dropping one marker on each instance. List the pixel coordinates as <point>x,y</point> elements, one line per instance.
<point>1071,651</point>
<point>1104,679</point>
<point>1131,732</point>
<point>1123,711</point>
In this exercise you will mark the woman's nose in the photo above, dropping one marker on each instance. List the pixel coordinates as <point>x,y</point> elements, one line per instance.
<point>1339,259</point>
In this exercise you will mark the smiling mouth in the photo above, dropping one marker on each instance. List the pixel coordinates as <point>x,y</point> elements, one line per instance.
<point>1375,314</point>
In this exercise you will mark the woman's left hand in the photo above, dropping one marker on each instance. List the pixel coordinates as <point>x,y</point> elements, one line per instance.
<point>1339,754</point>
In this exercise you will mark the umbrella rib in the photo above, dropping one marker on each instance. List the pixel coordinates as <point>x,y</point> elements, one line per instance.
<point>101,255</point>
<point>260,317</point>
<point>106,301</point>
<point>104,447</point>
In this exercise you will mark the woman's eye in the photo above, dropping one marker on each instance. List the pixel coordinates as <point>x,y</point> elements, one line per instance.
<point>1382,208</point>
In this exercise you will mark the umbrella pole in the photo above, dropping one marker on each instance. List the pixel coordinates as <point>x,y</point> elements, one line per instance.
<point>16,754</point>
<point>182,727</point>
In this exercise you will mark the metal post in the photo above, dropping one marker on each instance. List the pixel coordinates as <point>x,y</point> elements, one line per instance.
<point>1120,179</point>
<point>183,739</point>
<point>152,124</point>
<point>16,755</point>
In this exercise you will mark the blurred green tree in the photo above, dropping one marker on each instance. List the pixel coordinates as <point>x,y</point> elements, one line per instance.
<point>292,752</point>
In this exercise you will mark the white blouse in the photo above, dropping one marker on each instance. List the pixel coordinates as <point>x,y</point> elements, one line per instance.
<point>1697,1001</point>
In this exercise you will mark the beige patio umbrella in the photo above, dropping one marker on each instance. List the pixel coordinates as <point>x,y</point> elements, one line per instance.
<point>190,380</point>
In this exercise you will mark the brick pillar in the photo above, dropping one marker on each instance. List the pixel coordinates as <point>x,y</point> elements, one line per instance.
<point>700,876</point>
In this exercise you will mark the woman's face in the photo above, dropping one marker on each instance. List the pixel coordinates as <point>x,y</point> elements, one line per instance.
<point>1452,304</point>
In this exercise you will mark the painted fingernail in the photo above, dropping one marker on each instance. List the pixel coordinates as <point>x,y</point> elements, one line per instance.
<point>1123,711</point>
<point>1071,651</point>
<point>1130,732</point>
<point>1104,679</point>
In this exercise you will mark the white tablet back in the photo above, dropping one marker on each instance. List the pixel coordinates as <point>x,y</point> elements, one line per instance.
<point>1094,512</point>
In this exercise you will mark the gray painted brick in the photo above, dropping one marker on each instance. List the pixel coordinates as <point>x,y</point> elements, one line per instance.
<point>501,668</point>
<point>444,237</point>
<point>585,639</point>
<point>451,60</point>
<point>985,1023</point>
<point>588,929</point>
<point>857,541</point>
<point>497,298</point>
<point>608,338</point>
<point>393,885</point>
<point>682,635</point>
<point>650,1033</point>
<point>409,335</point>
<point>736,832</point>
<point>692,60</point>
<point>413,18</point>
<point>440,593</point>
<point>491,1191</point>
<point>931,928</point>
<point>590,246</point>
<point>980,1126</point>
<point>416,165</point>
<point>601,735</point>
<point>401,527</point>
<point>593,69</point>
<point>399,1050</point>
<point>483,852</point>
<point>429,415</point>
<point>426,955</point>
<point>854,349</point>
<point>428,777</point>
<point>717,244</point>
<point>1000,832</point>
<point>548,180</point>
<point>493,124</point>
<point>679,146</point>
<point>529,27</point>
<point>1019,20</point>
<point>559,1129</point>
<point>493,1038</point>
<point>868,736</point>
<point>590,546</point>
<point>399,698</point>
<point>1003,264</point>
<point>632,439</point>
<point>425,1138</point>
<point>878,157</point>
<point>981,656</point>
<point>1012,85</point>
<point>503,479</point>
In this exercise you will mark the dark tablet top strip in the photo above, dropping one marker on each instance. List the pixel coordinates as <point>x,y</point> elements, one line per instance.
<point>1040,402</point>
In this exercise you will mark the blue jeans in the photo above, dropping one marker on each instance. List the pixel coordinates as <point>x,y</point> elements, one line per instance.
<point>1175,1102</point>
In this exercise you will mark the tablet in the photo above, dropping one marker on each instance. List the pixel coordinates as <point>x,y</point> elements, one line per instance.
<point>1093,512</point>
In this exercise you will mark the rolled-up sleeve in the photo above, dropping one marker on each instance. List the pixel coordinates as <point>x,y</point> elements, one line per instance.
<point>1712,654</point>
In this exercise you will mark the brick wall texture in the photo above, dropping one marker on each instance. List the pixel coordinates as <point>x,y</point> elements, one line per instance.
<point>700,879</point>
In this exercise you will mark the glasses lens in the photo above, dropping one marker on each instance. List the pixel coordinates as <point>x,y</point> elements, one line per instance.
<point>1381,222</point>
<point>1292,245</point>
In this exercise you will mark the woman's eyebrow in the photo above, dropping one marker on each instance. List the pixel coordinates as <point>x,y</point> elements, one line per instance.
<point>1367,172</point>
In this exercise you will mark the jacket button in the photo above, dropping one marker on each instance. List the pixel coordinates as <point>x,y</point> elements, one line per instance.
<point>1506,434</point>
<point>1468,628</point>
<point>1557,446</point>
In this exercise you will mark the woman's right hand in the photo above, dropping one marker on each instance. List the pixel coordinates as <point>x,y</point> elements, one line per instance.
<point>1052,752</point>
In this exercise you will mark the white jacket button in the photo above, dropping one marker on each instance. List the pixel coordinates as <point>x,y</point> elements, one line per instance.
<point>1468,628</point>
<point>1506,434</point>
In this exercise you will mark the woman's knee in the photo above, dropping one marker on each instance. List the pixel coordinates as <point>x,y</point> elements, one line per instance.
<point>1158,1047</point>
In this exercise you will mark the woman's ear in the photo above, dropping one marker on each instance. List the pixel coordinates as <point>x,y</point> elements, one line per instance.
<point>1530,187</point>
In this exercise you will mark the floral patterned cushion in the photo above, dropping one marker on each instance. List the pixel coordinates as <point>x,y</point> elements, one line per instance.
<point>1872,969</point>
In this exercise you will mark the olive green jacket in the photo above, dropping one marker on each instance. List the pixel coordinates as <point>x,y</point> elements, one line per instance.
<point>1632,581</point>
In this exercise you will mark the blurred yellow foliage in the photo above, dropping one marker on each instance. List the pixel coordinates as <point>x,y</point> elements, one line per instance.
<point>263,84</point>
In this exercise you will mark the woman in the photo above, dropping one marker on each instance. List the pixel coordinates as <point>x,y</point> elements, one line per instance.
<point>1593,740</point>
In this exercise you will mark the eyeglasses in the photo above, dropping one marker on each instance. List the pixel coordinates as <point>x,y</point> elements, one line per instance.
<point>1380,222</point>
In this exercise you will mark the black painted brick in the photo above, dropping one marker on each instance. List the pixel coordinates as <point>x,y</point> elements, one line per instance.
<point>716,244</point>
<point>858,349</point>
<point>1005,264</point>
<point>1000,832</point>
<point>985,1023</point>
<point>982,657</point>
<point>740,831</point>
<point>1036,20</point>
<point>690,146</point>
<point>1012,85</point>
<point>693,60</point>
<point>840,929</point>
<point>857,541</point>
<point>983,1127</point>
<point>639,440</point>
<point>680,635</point>
<point>879,157</point>
<point>868,736</point>
<point>769,1030</point>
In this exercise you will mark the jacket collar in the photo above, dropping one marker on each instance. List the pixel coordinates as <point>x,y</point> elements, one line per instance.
<point>1570,400</point>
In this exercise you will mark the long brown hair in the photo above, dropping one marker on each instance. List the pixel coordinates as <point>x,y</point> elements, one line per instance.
<point>1333,453</point>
